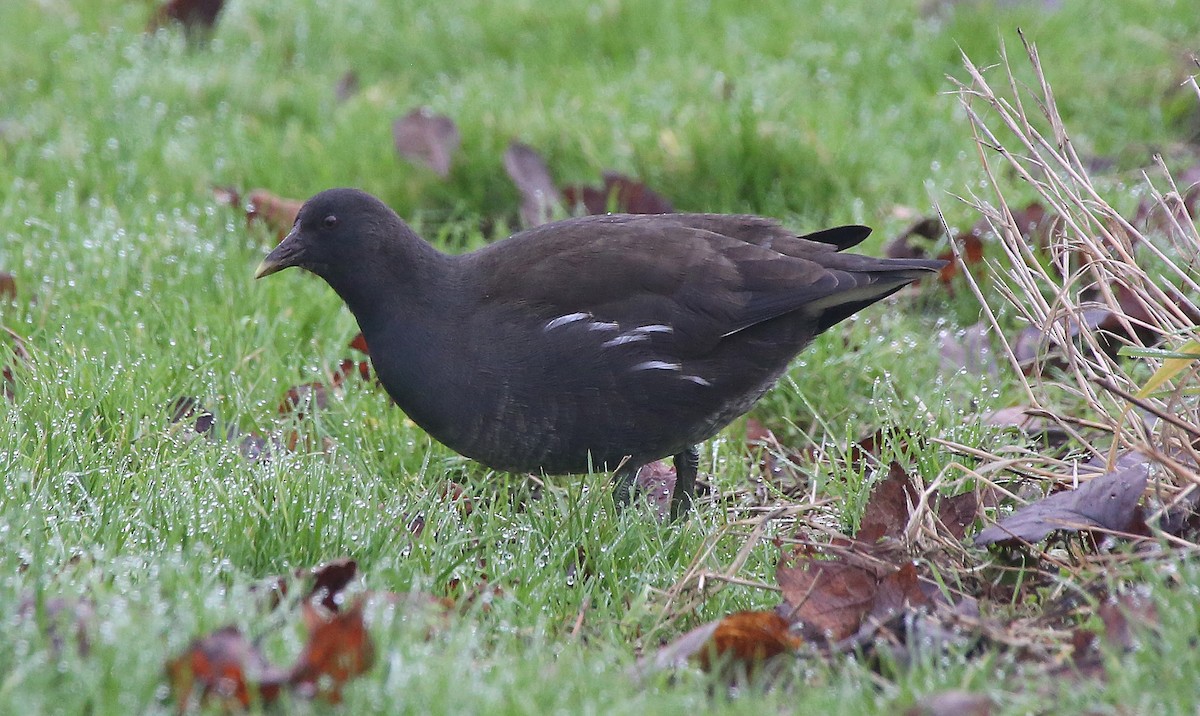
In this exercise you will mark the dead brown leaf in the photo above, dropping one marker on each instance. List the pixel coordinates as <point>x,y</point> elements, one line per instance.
<point>277,212</point>
<point>890,506</point>
<point>746,639</point>
<point>428,139</point>
<point>338,649</point>
<point>224,666</point>
<point>830,596</point>
<point>620,194</point>
<point>656,482</point>
<point>196,16</point>
<point>540,198</point>
<point>1107,502</point>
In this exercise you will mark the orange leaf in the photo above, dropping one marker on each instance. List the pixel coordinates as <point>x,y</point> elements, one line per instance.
<point>747,638</point>
<point>339,648</point>
<point>226,666</point>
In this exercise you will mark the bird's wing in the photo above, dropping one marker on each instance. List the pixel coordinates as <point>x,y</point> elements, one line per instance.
<point>703,276</point>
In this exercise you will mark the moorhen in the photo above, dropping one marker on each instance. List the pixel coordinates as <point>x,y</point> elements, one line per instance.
<point>600,342</point>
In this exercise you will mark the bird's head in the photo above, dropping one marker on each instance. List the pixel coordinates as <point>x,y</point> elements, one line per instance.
<point>333,229</point>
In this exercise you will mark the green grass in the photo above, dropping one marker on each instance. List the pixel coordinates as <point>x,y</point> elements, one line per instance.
<point>135,288</point>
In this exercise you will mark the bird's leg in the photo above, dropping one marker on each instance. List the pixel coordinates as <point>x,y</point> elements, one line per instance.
<point>687,464</point>
<point>625,484</point>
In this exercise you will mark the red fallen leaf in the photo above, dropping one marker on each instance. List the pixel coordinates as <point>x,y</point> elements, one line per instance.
<point>1139,315</point>
<point>328,581</point>
<point>952,703</point>
<point>194,15</point>
<point>338,649</point>
<point>540,198</point>
<point>427,139</point>
<point>1107,502</point>
<point>889,508</point>
<point>359,343</point>
<point>830,596</point>
<point>627,195</point>
<point>8,286</point>
<point>656,481</point>
<point>868,451</point>
<point>971,248</point>
<point>227,667</point>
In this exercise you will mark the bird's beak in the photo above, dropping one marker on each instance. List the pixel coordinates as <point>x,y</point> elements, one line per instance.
<point>287,253</point>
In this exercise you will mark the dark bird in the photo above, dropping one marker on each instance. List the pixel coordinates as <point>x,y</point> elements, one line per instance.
<point>602,342</point>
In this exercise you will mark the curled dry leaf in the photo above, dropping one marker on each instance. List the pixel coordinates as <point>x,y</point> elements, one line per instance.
<point>196,16</point>
<point>620,194</point>
<point>428,139</point>
<point>540,198</point>
<point>656,481</point>
<point>1108,502</point>
<point>277,212</point>
<point>188,411</point>
<point>742,639</point>
<point>915,241</point>
<point>227,667</point>
<point>890,506</point>
<point>328,581</point>
<point>339,648</point>
<point>8,286</point>
<point>747,639</point>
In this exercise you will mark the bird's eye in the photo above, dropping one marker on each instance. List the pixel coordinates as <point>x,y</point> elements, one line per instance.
<point>330,221</point>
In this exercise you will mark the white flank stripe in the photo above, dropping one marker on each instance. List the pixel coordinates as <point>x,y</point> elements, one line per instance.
<point>564,320</point>
<point>623,339</point>
<point>656,365</point>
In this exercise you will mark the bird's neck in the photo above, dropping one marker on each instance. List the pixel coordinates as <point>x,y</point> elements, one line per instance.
<point>416,285</point>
